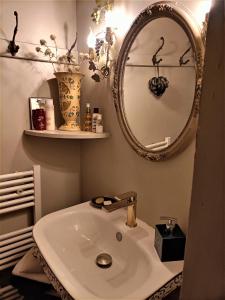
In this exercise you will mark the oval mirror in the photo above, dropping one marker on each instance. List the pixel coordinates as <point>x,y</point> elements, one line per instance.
<point>157,83</point>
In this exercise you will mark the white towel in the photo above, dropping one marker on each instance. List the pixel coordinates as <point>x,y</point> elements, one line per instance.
<point>30,268</point>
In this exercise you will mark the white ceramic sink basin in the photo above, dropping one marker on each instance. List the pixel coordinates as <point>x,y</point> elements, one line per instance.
<point>71,239</point>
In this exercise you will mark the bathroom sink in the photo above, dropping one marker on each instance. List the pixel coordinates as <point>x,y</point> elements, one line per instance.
<point>71,239</point>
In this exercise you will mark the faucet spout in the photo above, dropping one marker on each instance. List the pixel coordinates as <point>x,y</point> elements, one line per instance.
<point>128,200</point>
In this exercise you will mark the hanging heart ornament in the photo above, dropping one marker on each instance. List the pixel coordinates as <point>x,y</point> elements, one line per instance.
<point>158,85</point>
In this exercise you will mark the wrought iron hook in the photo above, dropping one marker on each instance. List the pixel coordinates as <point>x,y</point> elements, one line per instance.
<point>12,47</point>
<point>181,60</point>
<point>154,58</point>
<point>71,48</point>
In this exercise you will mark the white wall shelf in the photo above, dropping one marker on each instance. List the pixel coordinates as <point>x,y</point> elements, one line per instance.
<point>59,134</point>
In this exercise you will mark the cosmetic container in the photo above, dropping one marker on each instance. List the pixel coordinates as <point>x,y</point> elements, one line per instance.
<point>38,119</point>
<point>94,118</point>
<point>49,114</point>
<point>99,124</point>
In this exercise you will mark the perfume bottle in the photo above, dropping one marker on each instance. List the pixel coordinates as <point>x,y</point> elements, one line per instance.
<point>88,118</point>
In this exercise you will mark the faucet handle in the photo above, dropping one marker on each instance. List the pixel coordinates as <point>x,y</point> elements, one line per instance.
<point>171,222</point>
<point>123,200</point>
<point>129,196</point>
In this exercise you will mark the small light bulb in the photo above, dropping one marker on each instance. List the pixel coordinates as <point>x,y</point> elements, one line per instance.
<point>202,9</point>
<point>119,20</point>
<point>91,40</point>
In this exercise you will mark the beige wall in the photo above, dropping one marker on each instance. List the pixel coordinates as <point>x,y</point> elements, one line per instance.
<point>19,80</point>
<point>112,167</point>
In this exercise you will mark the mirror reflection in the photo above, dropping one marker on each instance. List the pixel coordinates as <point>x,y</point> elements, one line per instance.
<point>159,83</point>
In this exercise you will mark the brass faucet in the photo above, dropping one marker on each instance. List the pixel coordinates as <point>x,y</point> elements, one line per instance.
<point>128,200</point>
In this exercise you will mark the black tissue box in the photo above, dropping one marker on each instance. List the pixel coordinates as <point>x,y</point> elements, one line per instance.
<point>169,244</point>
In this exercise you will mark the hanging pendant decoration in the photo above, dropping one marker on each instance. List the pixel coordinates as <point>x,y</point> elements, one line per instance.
<point>158,85</point>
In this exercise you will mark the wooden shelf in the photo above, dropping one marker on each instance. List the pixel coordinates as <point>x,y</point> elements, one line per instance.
<point>59,134</point>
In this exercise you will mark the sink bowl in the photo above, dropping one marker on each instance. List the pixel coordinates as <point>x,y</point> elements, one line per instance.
<point>71,239</point>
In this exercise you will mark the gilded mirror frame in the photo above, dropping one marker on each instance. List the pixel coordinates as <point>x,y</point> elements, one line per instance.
<point>179,15</point>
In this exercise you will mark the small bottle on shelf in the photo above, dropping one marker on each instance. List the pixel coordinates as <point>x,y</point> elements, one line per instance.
<point>50,114</point>
<point>38,119</point>
<point>94,118</point>
<point>99,124</point>
<point>88,118</point>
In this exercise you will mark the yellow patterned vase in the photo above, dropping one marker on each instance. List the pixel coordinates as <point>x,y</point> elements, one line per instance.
<point>69,98</point>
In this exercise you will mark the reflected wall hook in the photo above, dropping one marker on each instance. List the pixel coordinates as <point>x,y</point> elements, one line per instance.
<point>154,58</point>
<point>12,47</point>
<point>181,60</point>
<point>158,85</point>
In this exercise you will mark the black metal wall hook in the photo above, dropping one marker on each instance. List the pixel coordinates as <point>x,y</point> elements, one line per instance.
<point>181,60</point>
<point>71,48</point>
<point>154,58</point>
<point>13,48</point>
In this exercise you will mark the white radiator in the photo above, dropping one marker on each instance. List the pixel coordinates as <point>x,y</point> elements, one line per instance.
<point>10,293</point>
<point>14,245</point>
<point>18,191</point>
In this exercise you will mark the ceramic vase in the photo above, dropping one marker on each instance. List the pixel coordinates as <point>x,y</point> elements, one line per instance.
<point>69,97</point>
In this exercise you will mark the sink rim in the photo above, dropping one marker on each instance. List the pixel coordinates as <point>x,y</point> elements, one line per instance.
<point>76,289</point>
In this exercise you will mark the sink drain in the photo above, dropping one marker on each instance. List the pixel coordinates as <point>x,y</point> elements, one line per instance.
<point>104,260</point>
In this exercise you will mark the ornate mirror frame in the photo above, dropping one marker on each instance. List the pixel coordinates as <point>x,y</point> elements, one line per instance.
<point>179,15</point>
